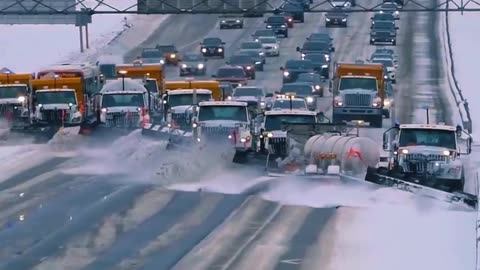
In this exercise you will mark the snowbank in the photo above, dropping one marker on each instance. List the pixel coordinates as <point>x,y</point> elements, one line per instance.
<point>26,48</point>
<point>462,30</point>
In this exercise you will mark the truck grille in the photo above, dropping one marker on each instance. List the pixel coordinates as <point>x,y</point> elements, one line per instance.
<point>180,119</point>
<point>217,131</point>
<point>422,157</point>
<point>358,100</point>
<point>123,120</point>
<point>278,146</point>
<point>10,109</point>
<point>55,116</point>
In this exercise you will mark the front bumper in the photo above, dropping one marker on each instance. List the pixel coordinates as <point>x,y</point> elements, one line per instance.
<point>231,25</point>
<point>212,53</point>
<point>192,71</point>
<point>389,40</point>
<point>338,22</point>
<point>272,52</point>
<point>357,113</point>
<point>279,31</point>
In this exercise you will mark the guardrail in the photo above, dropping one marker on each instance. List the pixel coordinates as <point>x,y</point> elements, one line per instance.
<point>460,100</point>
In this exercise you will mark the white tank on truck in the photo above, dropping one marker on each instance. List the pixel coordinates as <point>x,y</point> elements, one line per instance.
<point>351,153</point>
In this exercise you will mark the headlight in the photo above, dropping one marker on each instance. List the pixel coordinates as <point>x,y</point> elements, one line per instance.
<point>262,103</point>
<point>396,12</point>
<point>238,21</point>
<point>184,66</point>
<point>162,61</point>
<point>269,26</point>
<point>200,66</point>
<point>204,50</point>
<point>317,87</point>
<point>220,50</point>
<point>286,73</point>
<point>338,103</point>
<point>386,102</point>
<point>194,125</point>
<point>269,135</point>
<point>309,99</point>
<point>249,67</point>
<point>446,153</point>
<point>404,151</point>
<point>375,104</point>
<point>21,99</point>
<point>289,19</point>
<point>223,21</point>
<point>324,66</point>
<point>327,19</point>
<point>344,20</point>
<point>104,110</point>
<point>261,53</point>
<point>283,26</point>
<point>258,63</point>
<point>303,55</point>
<point>173,55</point>
<point>275,47</point>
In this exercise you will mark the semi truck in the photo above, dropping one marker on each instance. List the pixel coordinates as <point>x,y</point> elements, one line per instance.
<point>359,93</point>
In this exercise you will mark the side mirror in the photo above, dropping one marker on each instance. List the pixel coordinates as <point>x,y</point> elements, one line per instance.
<point>469,145</point>
<point>397,28</point>
<point>371,18</point>
<point>395,145</point>
<point>269,95</point>
<point>223,43</point>
<point>214,75</point>
<point>397,18</point>
<point>282,68</point>
<point>332,49</point>
<point>385,142</point>
<point>298,49</point>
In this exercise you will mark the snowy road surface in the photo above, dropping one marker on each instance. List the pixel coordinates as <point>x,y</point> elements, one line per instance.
<point>107,208</point>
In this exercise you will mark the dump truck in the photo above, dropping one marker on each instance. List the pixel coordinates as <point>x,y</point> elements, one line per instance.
<point>359,93</point>
<point>14,91</point>
<point>152,74</point>
<point>214,86</point>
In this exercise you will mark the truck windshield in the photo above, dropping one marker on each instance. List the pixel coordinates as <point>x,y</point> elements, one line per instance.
<point>358,83</point>
<point>186,99</point>
<point>233,113</point>
<point>122,100</point>
<point>12,91</point>
<point>428,137</point>
<point>56,97</point>
<point>274,122</point>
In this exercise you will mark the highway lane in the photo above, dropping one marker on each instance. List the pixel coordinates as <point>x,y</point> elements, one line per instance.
<point>97,223</point>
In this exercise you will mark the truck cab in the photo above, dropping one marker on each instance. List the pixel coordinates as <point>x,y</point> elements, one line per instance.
<point>359,93</point>
<point>429,154</point>
<point>179,103</point>
<point>124,103</point>
<point>57,106</point>
<point>273,138</point>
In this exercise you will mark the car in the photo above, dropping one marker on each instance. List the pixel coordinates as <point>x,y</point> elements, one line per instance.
<point>152,56</point>
<point>293,68</point>
<point>386,51</point>
<point>302,90</point>
<point>389,65</point>
<point>322,37</point>
<point>336,17</point>
<point>231,22</point>
<point>212,46</point>
<point>253,46</point>
<point>235,75</point>
<point>227,90</point>
<point>271,45</point>
<point>264,33</point>
<point>253,95</point>
<point>321,65</point>
<point>383,37</point>
<point>278,24</point>
<point>385,17</point>
<point>391,8</point>
<point>193,64</point>
<point>247,62</point>
<point>303,3</point>
<point>342,3</point>
<point>170,53</point>
<point>282,102</point>
<point>315,47</point>
<point>399,3</point>
<point>296,11</point>
<point>316,80</point>
<point>384,55</point>
<point>259,59</point>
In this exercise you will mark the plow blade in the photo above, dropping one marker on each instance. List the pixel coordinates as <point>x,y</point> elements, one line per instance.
<point>424,191</point>
<point>43,134</point>
<point>173,137</point>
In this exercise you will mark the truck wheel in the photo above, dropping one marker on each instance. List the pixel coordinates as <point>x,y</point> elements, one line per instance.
<point>240,157</point>
<point>286,35</point>
<point>386,113</point>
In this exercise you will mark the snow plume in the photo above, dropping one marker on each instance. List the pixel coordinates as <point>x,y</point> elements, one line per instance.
<point>142,159</point>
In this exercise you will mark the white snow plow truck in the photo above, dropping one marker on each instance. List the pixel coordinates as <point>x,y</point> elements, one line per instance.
<point>426,157</point>
<point>123,104</point>
<point>178,105</point>
<point>225,122</point>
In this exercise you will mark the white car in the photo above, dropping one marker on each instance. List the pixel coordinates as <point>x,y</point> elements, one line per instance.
<point>389,65</point>
<point>271,45</point>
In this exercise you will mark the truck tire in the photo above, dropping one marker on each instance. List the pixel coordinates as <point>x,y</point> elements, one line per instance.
<point>386,113</point>
<point>240,157</point>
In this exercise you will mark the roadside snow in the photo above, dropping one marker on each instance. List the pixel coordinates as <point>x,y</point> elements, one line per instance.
<point>26,48</point>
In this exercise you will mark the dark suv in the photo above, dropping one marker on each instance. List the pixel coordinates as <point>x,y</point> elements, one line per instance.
<point>278,24</point>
